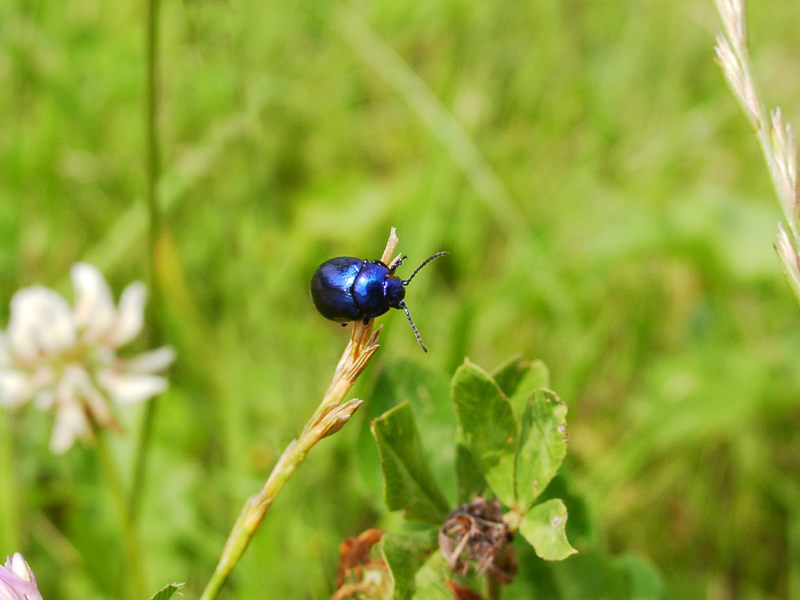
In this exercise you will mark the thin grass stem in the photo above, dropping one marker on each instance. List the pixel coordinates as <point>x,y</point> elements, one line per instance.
<point>132,563</point>
<point>152,161</point>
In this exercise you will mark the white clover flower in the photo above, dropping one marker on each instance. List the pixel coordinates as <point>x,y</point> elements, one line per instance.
<point>17,581</point>
<point>65,359</point>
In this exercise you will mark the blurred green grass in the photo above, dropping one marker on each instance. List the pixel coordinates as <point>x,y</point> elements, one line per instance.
<point>625,240</point>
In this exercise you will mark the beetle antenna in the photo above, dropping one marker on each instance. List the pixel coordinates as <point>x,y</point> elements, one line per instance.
<point>414,327</point>
<point>425,262</point>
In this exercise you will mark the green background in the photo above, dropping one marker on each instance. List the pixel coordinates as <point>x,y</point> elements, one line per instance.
<point>602,199</point>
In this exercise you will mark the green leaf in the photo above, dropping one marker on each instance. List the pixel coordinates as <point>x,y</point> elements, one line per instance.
<point>489,427</point>
<point>167,591</point>
<point>405,554</point>
<point>581,529</point>
<point>518,378</point>
<point>469,481</point>
<point>544,527</point>
<point>542,445</point>
<point>510,373</point>
<point>644,582</point>
<point>535,378</point>
<point>408,484</point>
<point>430,579</point>
<point>590,574</point>
<point>426,390</point>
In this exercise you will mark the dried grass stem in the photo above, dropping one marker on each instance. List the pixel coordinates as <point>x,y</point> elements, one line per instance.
<point>331,415</point>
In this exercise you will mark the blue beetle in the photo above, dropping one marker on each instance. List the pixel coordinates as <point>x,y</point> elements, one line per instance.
<point>348,289</point>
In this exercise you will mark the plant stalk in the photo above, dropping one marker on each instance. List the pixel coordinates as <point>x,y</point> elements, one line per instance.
<point>331,415</point>
<point>494,589</point>
<point>132,566</point>
<point>152,176</point>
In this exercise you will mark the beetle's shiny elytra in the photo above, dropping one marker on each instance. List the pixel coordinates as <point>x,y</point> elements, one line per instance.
<point>351,289</point>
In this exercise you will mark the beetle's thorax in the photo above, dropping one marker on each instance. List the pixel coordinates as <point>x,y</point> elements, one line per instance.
<point>369,289</point>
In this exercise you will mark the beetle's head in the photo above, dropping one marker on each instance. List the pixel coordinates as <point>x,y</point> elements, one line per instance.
<point>395,291</point>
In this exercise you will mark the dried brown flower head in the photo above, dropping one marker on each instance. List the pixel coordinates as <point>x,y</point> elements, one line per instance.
<point>475,535</point>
